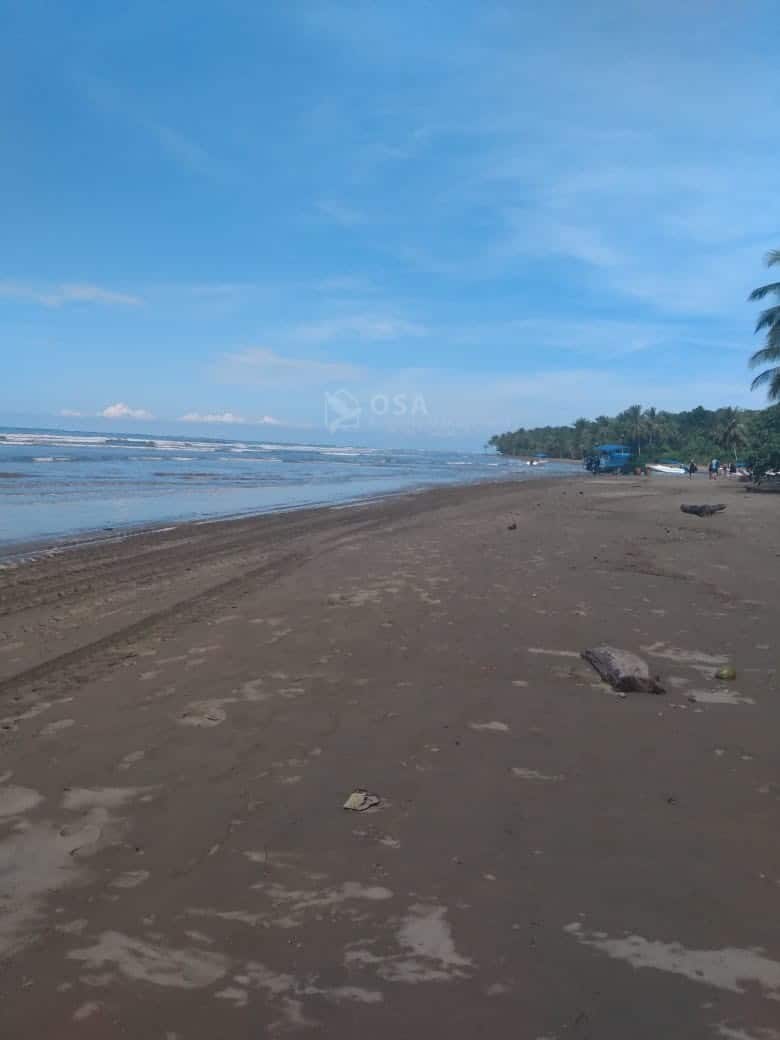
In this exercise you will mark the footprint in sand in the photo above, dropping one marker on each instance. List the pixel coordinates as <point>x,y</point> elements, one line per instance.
<point>533,774</point>
<point>130,879</point>
<point>203,713</point>
<point>54,728</point>
<point>16,800</point>
<point>130,759</point>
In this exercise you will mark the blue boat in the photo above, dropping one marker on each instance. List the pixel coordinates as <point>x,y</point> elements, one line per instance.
<point>609,458</point>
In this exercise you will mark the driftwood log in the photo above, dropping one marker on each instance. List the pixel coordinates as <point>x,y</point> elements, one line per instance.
<point>703,510</point>
<point>624,671</point>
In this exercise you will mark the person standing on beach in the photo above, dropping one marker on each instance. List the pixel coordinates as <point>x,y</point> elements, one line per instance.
<point>713,469</point>
<point>691,469</point>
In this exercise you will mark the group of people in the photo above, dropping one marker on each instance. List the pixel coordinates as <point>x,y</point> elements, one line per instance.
<point>715,469</point>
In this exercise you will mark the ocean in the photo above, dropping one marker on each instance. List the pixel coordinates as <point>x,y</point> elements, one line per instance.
<point>62,485</point>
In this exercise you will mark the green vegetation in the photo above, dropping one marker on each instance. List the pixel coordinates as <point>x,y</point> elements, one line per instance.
<point>763,449</point>
<point>700,434</point>
<point>768,319</point>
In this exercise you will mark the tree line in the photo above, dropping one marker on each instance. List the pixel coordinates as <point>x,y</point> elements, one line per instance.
<point>650,434</point>
<point>700,434</point>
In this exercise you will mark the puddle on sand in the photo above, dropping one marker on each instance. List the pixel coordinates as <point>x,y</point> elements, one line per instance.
<point>100,797</point>
<point>428,951</point>
<point>142,961</point>
<point>720,696</point>
<point>692,657</point>
<point>534,774</point>
<point>728,968</point>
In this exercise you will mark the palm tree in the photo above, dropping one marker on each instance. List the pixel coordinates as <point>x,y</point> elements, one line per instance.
<point>653,425</point>
<point>632,420</point>
<point>769,320</point>
<point>731,434</point>
<point>581,430</point>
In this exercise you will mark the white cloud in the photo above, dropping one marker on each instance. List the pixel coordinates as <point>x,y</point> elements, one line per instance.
<point>124,411</point>
<point>546,235</point>
<point>230,418</point>
<point>69,413</point>
<point>71,292</point>
<point>261,366</point>
<point>370,327</point>
<point>212,417</point>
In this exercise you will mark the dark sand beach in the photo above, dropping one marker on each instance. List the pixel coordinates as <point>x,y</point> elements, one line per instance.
<point>185,712</point>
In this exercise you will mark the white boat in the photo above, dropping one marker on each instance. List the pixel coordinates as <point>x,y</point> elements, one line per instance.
<point>670,471</point>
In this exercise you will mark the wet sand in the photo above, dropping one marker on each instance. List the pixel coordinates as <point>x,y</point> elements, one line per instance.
<point>184,714</point>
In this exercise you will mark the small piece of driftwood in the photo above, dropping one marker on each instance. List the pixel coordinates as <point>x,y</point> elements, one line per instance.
<point>703,510</point>
<point>624,671</point>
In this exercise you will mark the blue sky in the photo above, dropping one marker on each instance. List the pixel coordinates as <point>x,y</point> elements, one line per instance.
<point>505,213</point>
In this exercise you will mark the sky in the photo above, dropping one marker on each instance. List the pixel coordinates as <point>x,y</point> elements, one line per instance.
<point>399,223</point>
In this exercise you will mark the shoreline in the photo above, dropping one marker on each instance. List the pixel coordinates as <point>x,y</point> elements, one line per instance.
<point>194,557</point>
<point>12,551</point>
<point>186,713</point>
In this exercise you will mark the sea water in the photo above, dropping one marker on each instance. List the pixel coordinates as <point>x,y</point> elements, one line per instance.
<point>57,485</point>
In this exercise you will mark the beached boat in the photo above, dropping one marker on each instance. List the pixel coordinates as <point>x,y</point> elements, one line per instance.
<point>671,469</point>
<point>608,458</point>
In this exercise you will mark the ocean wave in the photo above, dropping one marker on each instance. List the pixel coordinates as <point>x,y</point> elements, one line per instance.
<point>48,440</point>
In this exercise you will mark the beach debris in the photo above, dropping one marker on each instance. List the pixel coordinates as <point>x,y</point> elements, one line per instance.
<point>624,671</point>
<point>511,527</point>
<point>705,510</point>
<point>721,695</point>
<point>728,673</point>
<point>361,800</point>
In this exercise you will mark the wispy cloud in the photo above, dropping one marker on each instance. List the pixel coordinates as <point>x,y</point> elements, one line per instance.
<point>347,284</point>
<point>263,367</point>
<point>368,327</point>
<point>69,292</point>
<point>172,142</point>
<point>120,410</point>
<point>70,413</point>
<point>220,290</point>
<point>229,418</point>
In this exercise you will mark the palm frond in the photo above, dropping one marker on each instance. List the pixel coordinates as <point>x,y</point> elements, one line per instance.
<point>772,342</point>
<point>774,386</point>
<point>768,375</point>
<point>764,355</point>
<point>768,319</point>
<point>764,290</point>
<point>772,257</point>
